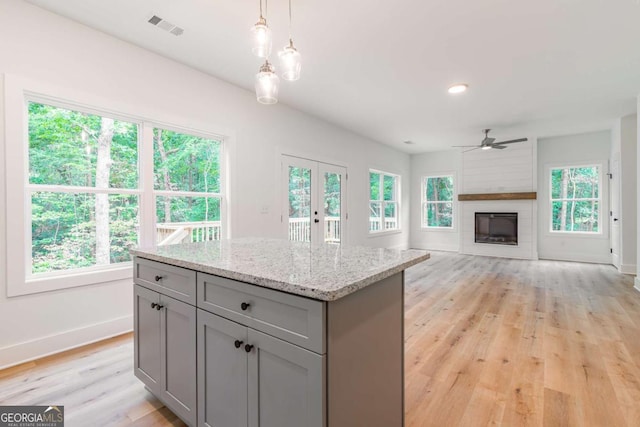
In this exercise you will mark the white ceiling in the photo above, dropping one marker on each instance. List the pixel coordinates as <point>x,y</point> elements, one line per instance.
<point>381,69</point>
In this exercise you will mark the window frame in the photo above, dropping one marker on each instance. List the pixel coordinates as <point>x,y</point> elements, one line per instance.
<point>18,92</point>
<point>397,199</point>
<point>424,202</point>
<point>599,199</point>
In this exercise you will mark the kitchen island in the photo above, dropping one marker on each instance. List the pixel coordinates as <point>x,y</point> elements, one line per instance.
<point>272,333</point>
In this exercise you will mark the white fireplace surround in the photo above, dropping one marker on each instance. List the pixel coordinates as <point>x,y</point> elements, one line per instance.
<point>527,236</point>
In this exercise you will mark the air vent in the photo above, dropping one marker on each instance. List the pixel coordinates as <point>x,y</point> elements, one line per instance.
<point>165,25</point>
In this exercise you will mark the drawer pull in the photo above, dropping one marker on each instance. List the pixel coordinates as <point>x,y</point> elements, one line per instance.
<point>248,348</point>
<point>153,305</point>
<point>158,278</point>
<point>238,343</point>
<point>159,307</point>
<point>244,306</point>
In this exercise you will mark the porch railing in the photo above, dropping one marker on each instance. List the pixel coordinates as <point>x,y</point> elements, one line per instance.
<point>170,233</point>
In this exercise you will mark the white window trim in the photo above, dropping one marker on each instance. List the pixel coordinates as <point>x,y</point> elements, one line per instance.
<point>397,201</point>
<point>423,197</point>
<point>18,92</point>
<point>600,199</point>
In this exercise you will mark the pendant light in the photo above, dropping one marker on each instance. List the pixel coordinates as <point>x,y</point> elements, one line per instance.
<point>267,84</point>
<point>261,33</point>
<point>290,58</point>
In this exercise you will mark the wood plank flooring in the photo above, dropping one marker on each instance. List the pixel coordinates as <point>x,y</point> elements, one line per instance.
<point>488,342</point>
<point>517,343</point>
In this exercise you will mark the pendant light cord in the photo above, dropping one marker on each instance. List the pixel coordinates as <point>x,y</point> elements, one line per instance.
<point>290,21</point>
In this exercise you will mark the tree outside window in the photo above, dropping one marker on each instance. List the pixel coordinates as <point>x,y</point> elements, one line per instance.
<point>85,188</point>
<point>575,199</point>
<point>383,201</point>
<point>83,179</point>
<point>437,202</point>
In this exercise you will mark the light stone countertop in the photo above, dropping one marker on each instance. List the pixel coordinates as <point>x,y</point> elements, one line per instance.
<point>327,272</point>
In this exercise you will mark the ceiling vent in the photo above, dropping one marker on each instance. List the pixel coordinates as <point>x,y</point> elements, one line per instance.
<point>165,25</point>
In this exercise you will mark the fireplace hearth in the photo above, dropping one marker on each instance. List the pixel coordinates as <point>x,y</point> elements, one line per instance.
<point>497,228</point>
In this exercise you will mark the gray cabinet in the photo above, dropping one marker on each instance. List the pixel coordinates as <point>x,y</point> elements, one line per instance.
<point>286,384</point>
<point>222,368</point>
<point>249,378</point>
<point>165,350</point>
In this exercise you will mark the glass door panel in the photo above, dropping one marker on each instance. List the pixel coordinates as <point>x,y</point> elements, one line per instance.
<point>332,203</point>
<point>299,203</point>
<point>314,209</point>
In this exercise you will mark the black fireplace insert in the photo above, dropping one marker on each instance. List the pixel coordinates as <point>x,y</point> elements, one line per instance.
<point>497,228</point>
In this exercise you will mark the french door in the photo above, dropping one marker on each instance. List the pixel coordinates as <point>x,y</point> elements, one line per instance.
<point>314,203</point>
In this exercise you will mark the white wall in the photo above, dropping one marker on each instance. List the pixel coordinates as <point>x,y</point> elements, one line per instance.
<point>44,47</point>
<point>429,164</point>
<point>624,149</point>
<point>590,148</point>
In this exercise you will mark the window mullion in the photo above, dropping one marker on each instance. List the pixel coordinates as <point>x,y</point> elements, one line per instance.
<point>147,198</point>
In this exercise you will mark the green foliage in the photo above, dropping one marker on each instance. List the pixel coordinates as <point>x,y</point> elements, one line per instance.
<point>63,152</point>
<point>439,201</point>
<point>192,163</point>
<point>575,199</point>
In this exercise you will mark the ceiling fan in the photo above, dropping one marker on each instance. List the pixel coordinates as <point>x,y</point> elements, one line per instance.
<point>489,143</point>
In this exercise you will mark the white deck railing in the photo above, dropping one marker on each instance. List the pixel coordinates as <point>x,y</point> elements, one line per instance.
<point>170,233</point>
<point>299,230</point>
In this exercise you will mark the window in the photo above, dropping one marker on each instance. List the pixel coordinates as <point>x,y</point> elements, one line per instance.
<point>187,187</point>
<point>437,202</point>
<point>83,187</point>
<point>575,199</point>
<point>383,201</point>
<point>87,192</point>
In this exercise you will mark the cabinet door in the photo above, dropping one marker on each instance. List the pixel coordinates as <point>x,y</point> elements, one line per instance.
<point>146,346</point>
<point>286,384</point>
<point>222,369</point>
<point>178,342</point>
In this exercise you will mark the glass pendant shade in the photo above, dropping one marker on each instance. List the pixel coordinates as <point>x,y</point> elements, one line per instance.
<point>262,40</point>
<point>267,84</point>
<point>291,63</point>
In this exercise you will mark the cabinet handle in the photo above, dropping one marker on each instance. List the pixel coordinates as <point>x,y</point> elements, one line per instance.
<point>248,348</point>
<point>153,305</point>
<point>244,306</point>
<point>316,220</point>
<point>159,307</point>
<point>238,343</point>
<point>158,278</point>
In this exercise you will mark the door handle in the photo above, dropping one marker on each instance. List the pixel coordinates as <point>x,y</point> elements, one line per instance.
<point>615,219</point>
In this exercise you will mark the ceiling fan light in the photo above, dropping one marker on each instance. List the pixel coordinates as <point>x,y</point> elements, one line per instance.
<point>458,88</point>
<point>486,147</point>
<point>267,84</point>
<point>262,39</point>
<point>290,61</point>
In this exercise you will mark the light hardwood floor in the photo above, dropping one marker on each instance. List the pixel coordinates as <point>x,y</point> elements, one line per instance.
<point>488,342</point>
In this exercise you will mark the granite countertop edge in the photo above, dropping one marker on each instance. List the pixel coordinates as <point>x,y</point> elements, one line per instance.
<point>292,288</point>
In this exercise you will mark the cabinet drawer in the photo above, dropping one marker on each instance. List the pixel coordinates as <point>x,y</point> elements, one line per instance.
<point>176,282</point>
<point>295,319</point>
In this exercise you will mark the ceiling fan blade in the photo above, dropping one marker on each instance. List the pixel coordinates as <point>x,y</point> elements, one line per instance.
<point>498,147</point>
<point>487,141</point>
<point>464,146</point>
<point>466,151</point>
<point>511,141</point>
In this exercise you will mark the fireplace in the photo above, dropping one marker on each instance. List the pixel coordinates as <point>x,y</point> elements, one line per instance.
<point>497,228</point>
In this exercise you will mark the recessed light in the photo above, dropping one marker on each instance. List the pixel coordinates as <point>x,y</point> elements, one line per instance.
<point>458,88</point>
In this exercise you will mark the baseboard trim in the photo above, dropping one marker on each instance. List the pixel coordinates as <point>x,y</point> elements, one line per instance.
<point>628,269</point>
<point>41,347</point>
<point>636,281</point>
<point>578,258</point>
